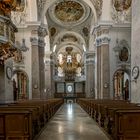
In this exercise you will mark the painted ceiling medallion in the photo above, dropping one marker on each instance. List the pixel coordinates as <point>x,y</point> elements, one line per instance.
<point>122,5</point>
<point>69,11</point>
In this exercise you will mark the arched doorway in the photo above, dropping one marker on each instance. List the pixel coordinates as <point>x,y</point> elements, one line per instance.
<point>20,85</point>
<point>121,84</point>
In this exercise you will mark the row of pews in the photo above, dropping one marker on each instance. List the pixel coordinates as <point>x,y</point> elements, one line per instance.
<point>120,119</point>
<point>24,120</point>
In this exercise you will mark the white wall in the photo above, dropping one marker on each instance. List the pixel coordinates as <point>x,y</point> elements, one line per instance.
<point>135,51</point>
<point>120,33</point>
<point>26,34</point>
<point>8,82</point>
<point>106,11</point>
<point>2,83</point>
<point>31,10</point>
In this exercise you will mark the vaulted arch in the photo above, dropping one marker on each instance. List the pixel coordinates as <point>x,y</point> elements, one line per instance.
<point>48,3</point>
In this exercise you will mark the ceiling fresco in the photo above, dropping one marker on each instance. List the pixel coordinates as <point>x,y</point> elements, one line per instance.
<point>69,11</point>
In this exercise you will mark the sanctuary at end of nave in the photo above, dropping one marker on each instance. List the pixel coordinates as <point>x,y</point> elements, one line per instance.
<point>70,55</point>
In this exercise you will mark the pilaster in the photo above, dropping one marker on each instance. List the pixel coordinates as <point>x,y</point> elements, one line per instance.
<point>90,74</point>
<point>35,68</point>
<point>102,40</point>
<point>38,44</point>
<point>6,83</point>
<point>49,93</point>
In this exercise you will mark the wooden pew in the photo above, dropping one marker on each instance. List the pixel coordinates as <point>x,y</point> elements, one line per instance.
<point>118,118</point>
<point>37,110</point>
<point>101,108</point>
<point>124,124</point>
<point>34,112</point>
<point>16,125</point>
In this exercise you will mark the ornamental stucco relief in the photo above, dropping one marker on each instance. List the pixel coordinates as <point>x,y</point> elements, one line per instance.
<point>121,10</point>
<point>98,6</point>
<point>19,18</point>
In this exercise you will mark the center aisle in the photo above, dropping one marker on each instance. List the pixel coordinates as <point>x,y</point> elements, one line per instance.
<point>72,123</point>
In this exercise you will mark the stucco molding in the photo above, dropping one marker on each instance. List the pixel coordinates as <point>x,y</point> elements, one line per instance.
<point>98,4</point>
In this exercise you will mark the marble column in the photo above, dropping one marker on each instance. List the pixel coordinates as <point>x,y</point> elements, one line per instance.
<point>90,75</point>
<point>103,72</point>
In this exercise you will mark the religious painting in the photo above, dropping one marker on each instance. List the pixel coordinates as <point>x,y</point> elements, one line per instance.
<point>69,11</point>
<point>123,54</point>
<point>122,5</point>
<point>85,31</point>
<point>22,85</point>
<point>52,31</point>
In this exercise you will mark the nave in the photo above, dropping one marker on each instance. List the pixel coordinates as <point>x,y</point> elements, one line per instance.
<point>71,122</point>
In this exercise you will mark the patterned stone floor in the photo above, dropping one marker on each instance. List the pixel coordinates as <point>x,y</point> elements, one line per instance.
<point>72,123</point>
